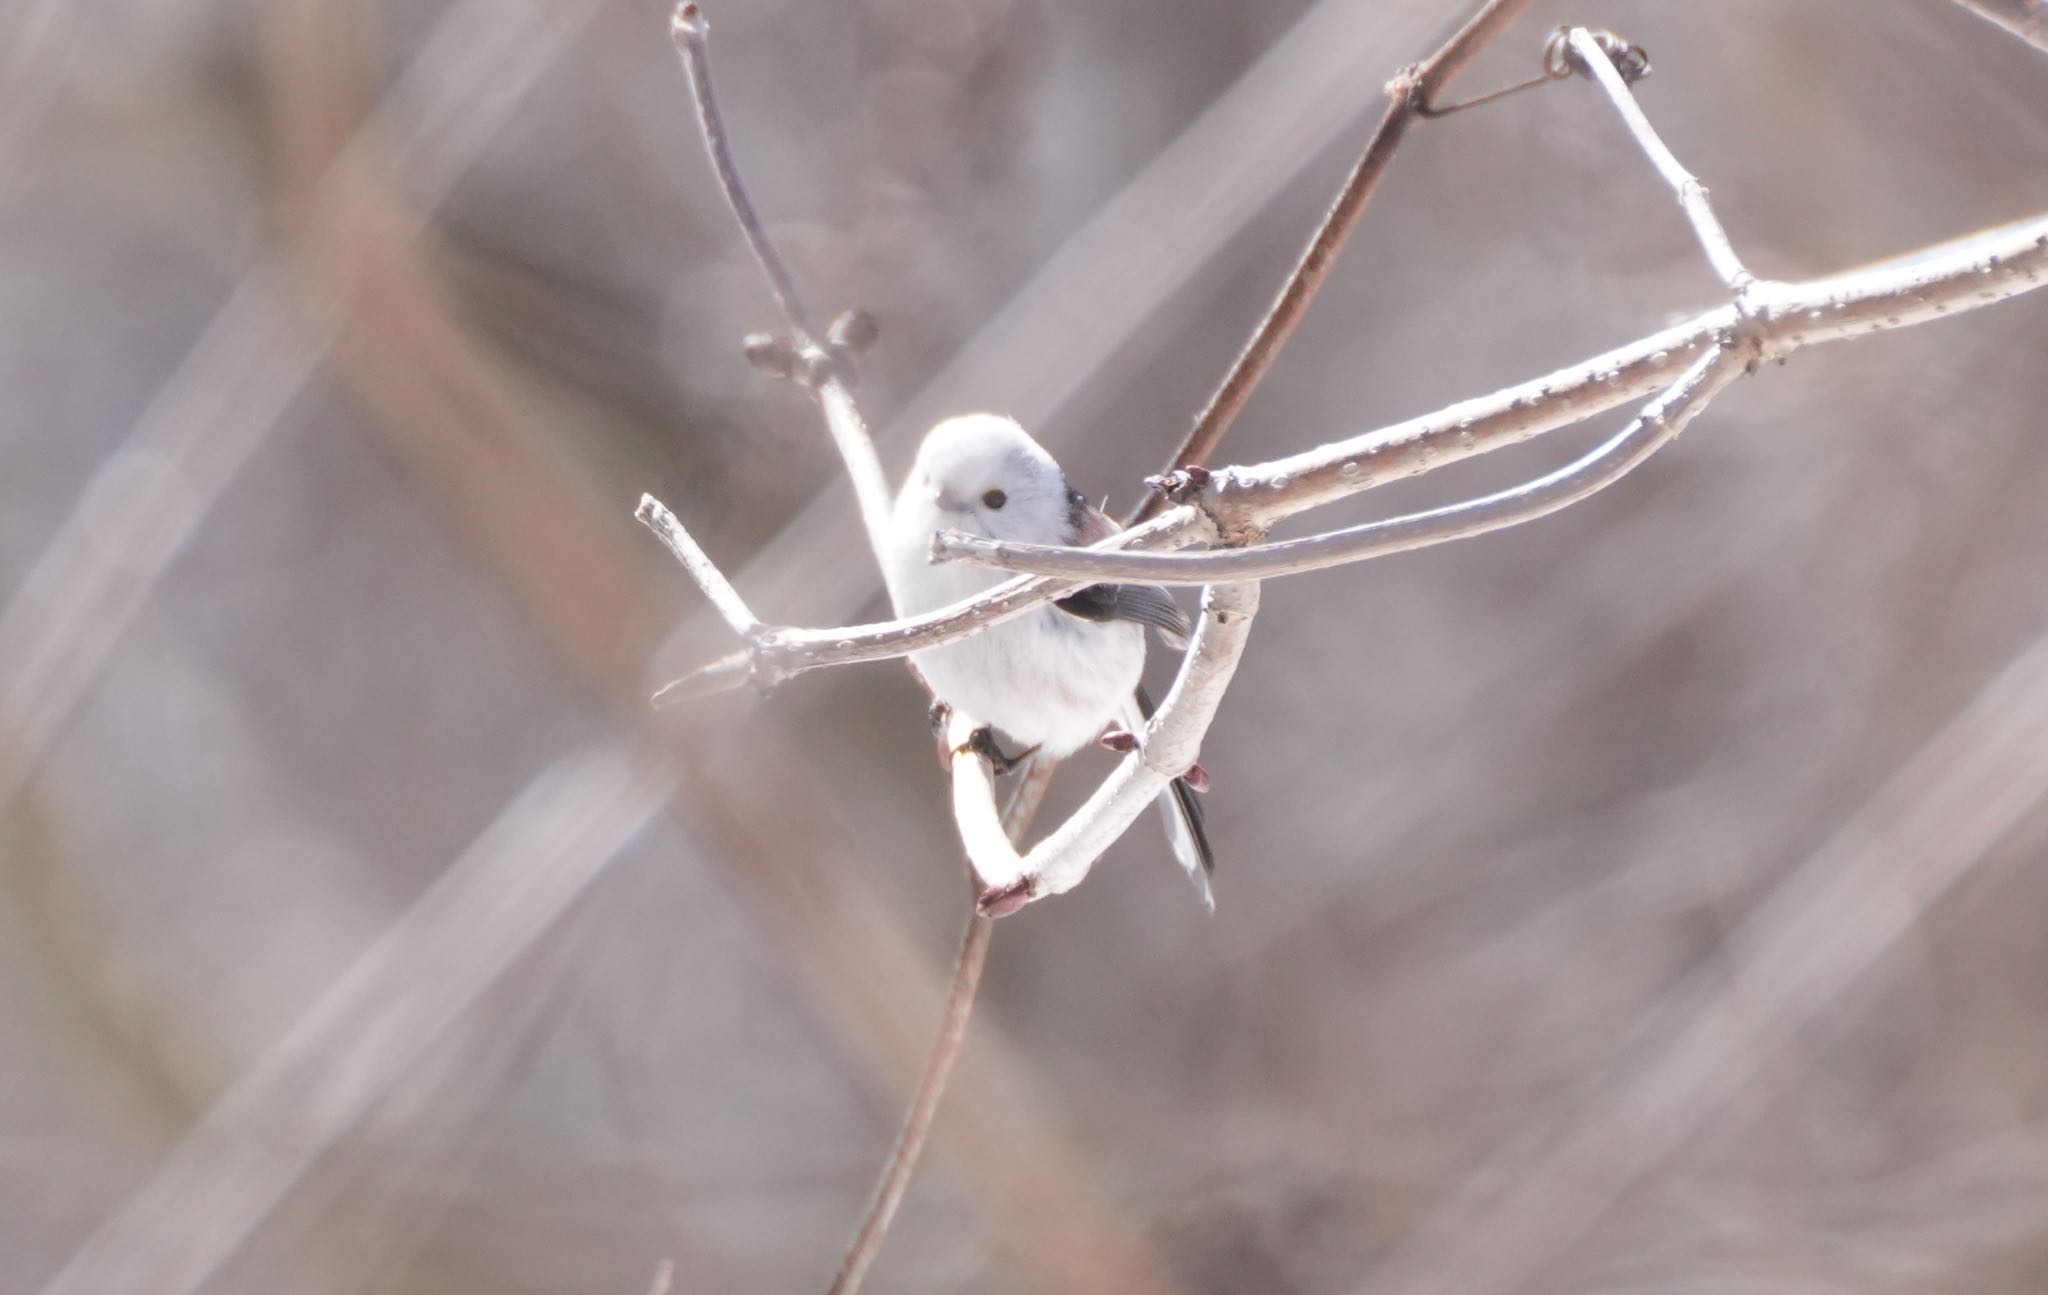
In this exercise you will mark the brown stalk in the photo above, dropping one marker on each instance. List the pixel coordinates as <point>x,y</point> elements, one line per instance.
<point>901,1165</point>
<point>1409,96</point>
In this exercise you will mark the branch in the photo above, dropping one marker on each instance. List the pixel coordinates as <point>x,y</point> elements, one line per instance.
<point>1775,320</point>
<point>901,1166</point>
<point>690,34</point>
<point>908,1149</point>
<point>702,569</point>
<point>776,653</point>
<point>1661,421</point>
<point>1590,53</point>
<point>1408,96</point>
<point>823,369</point>
<point>1172,740</point>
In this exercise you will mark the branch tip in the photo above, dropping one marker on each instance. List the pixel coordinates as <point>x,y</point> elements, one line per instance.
<point>853,332</point>
<point>687,25</point>
<point>1001,901</point>
<point>772,353</point>
<point>1560,60</point>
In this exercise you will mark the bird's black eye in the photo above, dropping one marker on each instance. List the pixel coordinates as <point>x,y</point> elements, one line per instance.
<point>994,498</point>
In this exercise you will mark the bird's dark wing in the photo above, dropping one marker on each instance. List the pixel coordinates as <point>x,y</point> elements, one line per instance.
<point>1142,604</point>
<point>1181,809</point>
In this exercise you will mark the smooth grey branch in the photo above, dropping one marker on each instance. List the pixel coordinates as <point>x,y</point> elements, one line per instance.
<point>657,518</point>
<point>776,653</point>
<point>1951,278</point>
<point>689,32</point>
<point>1655,427</point>
<point>1917,286</point>
<point>1171,742</point>
<point>1692,195</point>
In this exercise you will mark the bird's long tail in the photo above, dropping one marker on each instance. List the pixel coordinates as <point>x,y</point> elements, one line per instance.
<point>1181,809</point>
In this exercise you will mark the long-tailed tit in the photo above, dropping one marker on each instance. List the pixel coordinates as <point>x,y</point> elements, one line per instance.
<point>1055,678</point>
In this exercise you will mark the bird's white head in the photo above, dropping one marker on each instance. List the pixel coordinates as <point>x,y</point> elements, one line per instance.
<point>983,474</point>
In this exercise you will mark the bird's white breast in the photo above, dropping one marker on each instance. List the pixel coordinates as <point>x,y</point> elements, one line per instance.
<point>1044,679</point>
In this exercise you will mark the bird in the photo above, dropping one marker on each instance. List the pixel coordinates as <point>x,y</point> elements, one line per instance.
<point>1058,677</point>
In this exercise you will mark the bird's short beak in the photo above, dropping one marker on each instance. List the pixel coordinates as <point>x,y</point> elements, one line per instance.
<point>946,502</point>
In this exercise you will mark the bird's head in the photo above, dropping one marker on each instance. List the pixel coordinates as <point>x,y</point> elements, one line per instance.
<point>983,474</point>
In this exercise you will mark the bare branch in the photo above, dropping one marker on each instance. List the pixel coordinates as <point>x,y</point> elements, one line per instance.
<point>857,450</point>
<point>702,569</point>
<point>1776,319</point>
<point>777,653</point>
<point>1172,741</point>
<point>822,368</point>
<point>1655,427</point>
<point>1927,284</point>
<point>901,1166</point>
<point>990,849</point>
<point>1975,271</point>
<point>690,34</point>
<point>1408,96</point>
<point>897,1172</point>
<point>1591,54</point>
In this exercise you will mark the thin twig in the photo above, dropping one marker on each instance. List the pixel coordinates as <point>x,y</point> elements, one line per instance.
<point>1407,95</point>
<point>904,1155</point>
<point>775,653</point>
<point>690,33</point>
<point>1909,289</point>
<point>1172,740</point>
<point>826,374</point>
<point>702,569</point>
<point>1776,320</point>
<point>1659,423</point>
<point>903,1159</point>
<point>820,368</point>
<point>1692,195</point>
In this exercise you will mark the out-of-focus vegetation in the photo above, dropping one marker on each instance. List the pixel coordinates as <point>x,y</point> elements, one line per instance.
<point>1492,818</point>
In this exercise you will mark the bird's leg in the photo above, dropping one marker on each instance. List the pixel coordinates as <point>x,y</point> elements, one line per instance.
<point>1123,742</point>
<point>1001,901</point>
<point>938,715</point>
<point>982,742</point>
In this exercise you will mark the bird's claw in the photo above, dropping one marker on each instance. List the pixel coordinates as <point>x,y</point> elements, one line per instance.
<point>1123,742</point>
<point>1001,901</point>
<point>982,742</point>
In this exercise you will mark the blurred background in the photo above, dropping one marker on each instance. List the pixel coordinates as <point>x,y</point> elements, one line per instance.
<point>1648,900</point>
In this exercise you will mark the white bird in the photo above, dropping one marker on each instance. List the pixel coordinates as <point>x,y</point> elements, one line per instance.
<point>1055,678</point>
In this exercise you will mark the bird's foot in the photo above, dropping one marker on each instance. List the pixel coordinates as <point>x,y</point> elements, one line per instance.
<point>982,742</point>
<point>938,715</point>
<point>1123,742</point>
<point>1001,901</point>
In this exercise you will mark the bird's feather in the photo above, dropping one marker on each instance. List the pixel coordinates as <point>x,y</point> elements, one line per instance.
<point>1148,605</point>
<point>1180,808</point>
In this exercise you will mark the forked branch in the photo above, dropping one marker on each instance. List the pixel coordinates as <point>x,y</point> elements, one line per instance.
<point>1229,511</point>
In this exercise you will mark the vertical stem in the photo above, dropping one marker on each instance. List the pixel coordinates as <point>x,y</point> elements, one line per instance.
<point>931,1089</point>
